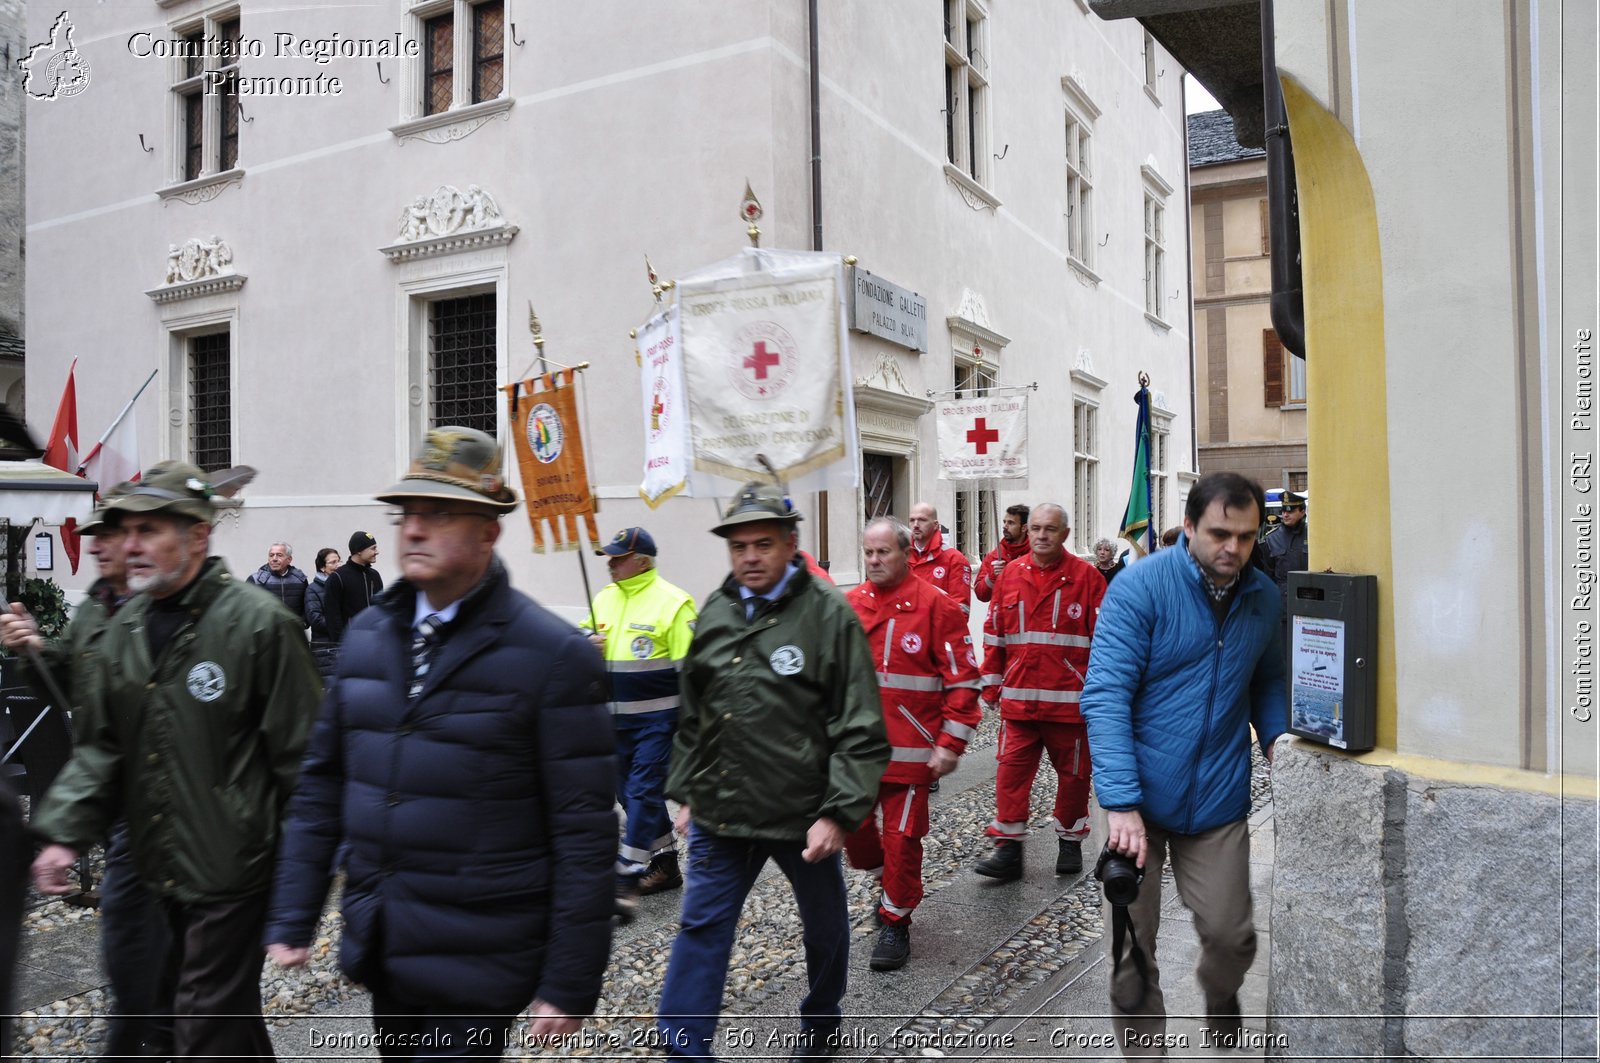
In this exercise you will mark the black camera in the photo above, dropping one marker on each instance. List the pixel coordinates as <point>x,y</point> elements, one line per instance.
<point>1119,875</point>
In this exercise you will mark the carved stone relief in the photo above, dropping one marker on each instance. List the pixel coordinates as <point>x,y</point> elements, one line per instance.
<point>447,211</point>
<point>449,222</point>
<point>196,258</point>
<point>972,309</point>
<point>197,267</point>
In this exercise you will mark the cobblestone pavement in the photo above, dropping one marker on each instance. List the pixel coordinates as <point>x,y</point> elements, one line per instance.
<point>767,960</point>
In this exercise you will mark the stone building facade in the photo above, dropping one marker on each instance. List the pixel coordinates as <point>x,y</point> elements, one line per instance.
<point>292,226</point>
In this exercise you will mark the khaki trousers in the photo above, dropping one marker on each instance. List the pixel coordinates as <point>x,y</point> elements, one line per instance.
<point>1212,872</point>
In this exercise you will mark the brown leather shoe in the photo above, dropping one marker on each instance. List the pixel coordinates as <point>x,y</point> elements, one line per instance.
<point>662,876</point>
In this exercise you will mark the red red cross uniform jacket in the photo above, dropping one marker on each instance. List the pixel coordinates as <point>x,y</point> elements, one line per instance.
<point>944,568</point>
<point>984,576</point>
<point>927,673</point>
<point>1036,638</point>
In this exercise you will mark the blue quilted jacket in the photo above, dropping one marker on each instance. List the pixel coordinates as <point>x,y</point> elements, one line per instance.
<point>1170,694</point>
<point>477,816</point>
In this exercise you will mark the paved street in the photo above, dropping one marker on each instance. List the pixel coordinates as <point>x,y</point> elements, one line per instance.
<point>1015,970</point>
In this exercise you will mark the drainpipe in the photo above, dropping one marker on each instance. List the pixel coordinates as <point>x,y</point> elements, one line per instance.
<point>1283,207</point>
<point>816,218</point>
<point>816,130</point>
<point>1188,227</point>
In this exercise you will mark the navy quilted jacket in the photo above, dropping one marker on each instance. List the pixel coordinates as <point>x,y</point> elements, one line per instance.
<point>478,816</point>
<point>1170,694</point>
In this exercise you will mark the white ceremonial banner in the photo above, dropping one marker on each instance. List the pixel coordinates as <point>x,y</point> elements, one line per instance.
<point>762,349</point>
<point>667,455</point>
<point>983,438</point>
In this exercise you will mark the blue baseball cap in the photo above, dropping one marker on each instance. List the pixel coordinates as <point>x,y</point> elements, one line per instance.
<point>629,541</point>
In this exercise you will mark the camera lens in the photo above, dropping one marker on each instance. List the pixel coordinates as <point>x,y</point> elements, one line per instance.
<point>1120,877</point>
<point>1121,888</point>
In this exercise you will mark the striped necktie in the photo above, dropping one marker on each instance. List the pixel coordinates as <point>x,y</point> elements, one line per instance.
<point>423,640</point>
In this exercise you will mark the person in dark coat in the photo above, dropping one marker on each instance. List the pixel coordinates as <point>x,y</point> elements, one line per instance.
<point>464,758</point>
<point>323,646</point>
<point>1106,561</point>
<point>15,852</point>
<point>279,578</point>
<point>1286,548</point>
<point>352,586</point>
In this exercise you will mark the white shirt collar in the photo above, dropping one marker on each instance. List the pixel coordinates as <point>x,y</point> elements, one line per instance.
<point>424,610</point>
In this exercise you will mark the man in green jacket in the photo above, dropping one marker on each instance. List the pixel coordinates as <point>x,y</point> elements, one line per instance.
<point>133,933</point>
<point>779,750</point>
<point>193,724</point>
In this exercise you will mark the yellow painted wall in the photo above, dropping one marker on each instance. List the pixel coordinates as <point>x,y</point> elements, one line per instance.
<point>1348,430</point>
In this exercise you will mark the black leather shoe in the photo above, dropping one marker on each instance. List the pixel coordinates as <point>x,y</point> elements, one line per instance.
<point>815,1044</point>
<point>893,947</point>
<point>1069,857</point>
<point>1005,863</point>
<point>662,875</point>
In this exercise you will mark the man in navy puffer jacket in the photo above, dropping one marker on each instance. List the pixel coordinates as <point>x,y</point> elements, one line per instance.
<point>464,754</point>
<point>1187,656</point>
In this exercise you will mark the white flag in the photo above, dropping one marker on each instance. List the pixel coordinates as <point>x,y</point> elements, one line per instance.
<point>666,408</point>
<point>115,458</point>
<point>983,438</point>
<point>761,353</point>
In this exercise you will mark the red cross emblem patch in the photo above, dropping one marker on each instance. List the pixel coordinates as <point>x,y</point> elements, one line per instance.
<point>762,360</point>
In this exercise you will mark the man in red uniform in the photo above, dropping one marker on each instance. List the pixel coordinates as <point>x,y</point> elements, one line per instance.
<point>1013,544</point>
<point>928,683</point>
<point>1036,650</point>
<point>932,562</point>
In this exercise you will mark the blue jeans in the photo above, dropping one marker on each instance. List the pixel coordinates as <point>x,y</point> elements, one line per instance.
<point>644,753</point>
<point>721,873</point>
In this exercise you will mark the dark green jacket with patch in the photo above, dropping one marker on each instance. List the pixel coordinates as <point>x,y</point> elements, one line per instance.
<point>780,722</point>
<point>199,748</point>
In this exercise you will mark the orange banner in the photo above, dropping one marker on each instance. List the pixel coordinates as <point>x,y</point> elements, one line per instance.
<point>555,478</point>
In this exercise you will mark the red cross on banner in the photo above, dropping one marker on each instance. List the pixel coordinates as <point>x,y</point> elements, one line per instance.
<point>982,435</point>
<point>984,438</point>
<point>761,360</point>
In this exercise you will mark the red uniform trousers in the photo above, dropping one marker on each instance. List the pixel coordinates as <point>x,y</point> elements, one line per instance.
<point>1020,744</point>
<point>894,848</point>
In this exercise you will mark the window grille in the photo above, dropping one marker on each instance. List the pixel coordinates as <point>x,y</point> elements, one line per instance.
<point>488,50</point>
<point>210,402</point>
<point>462,362</point>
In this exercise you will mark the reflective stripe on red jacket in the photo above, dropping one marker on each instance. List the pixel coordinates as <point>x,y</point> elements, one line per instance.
<point>984,576</point>
<point>1036,638</point>
<point>927,672</point>
<point>947,569</point>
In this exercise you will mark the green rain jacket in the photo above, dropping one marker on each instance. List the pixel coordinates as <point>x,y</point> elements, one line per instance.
<point>69,659</point>
<point>780,722</point>
<point>199,748</point>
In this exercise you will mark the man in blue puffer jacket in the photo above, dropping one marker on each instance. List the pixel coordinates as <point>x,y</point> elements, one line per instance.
<point>1188,654</point>
<point>464,756</point>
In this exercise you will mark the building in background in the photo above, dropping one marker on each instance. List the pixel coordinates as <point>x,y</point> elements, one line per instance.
<point>320,273</point>
<point>13,31</point>
<point>1251,391</point>
<point>1436,897</point>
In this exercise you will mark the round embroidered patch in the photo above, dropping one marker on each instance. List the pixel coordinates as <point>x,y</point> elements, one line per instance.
<point>1075,610</point>
<point>207,681</point>
<point>911,642</point>
<point>643,646</point>
<point>938,572</point>
<point>787,660</point>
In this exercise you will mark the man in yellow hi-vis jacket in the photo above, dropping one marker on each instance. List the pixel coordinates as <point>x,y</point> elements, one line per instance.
<point>642,624</point>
